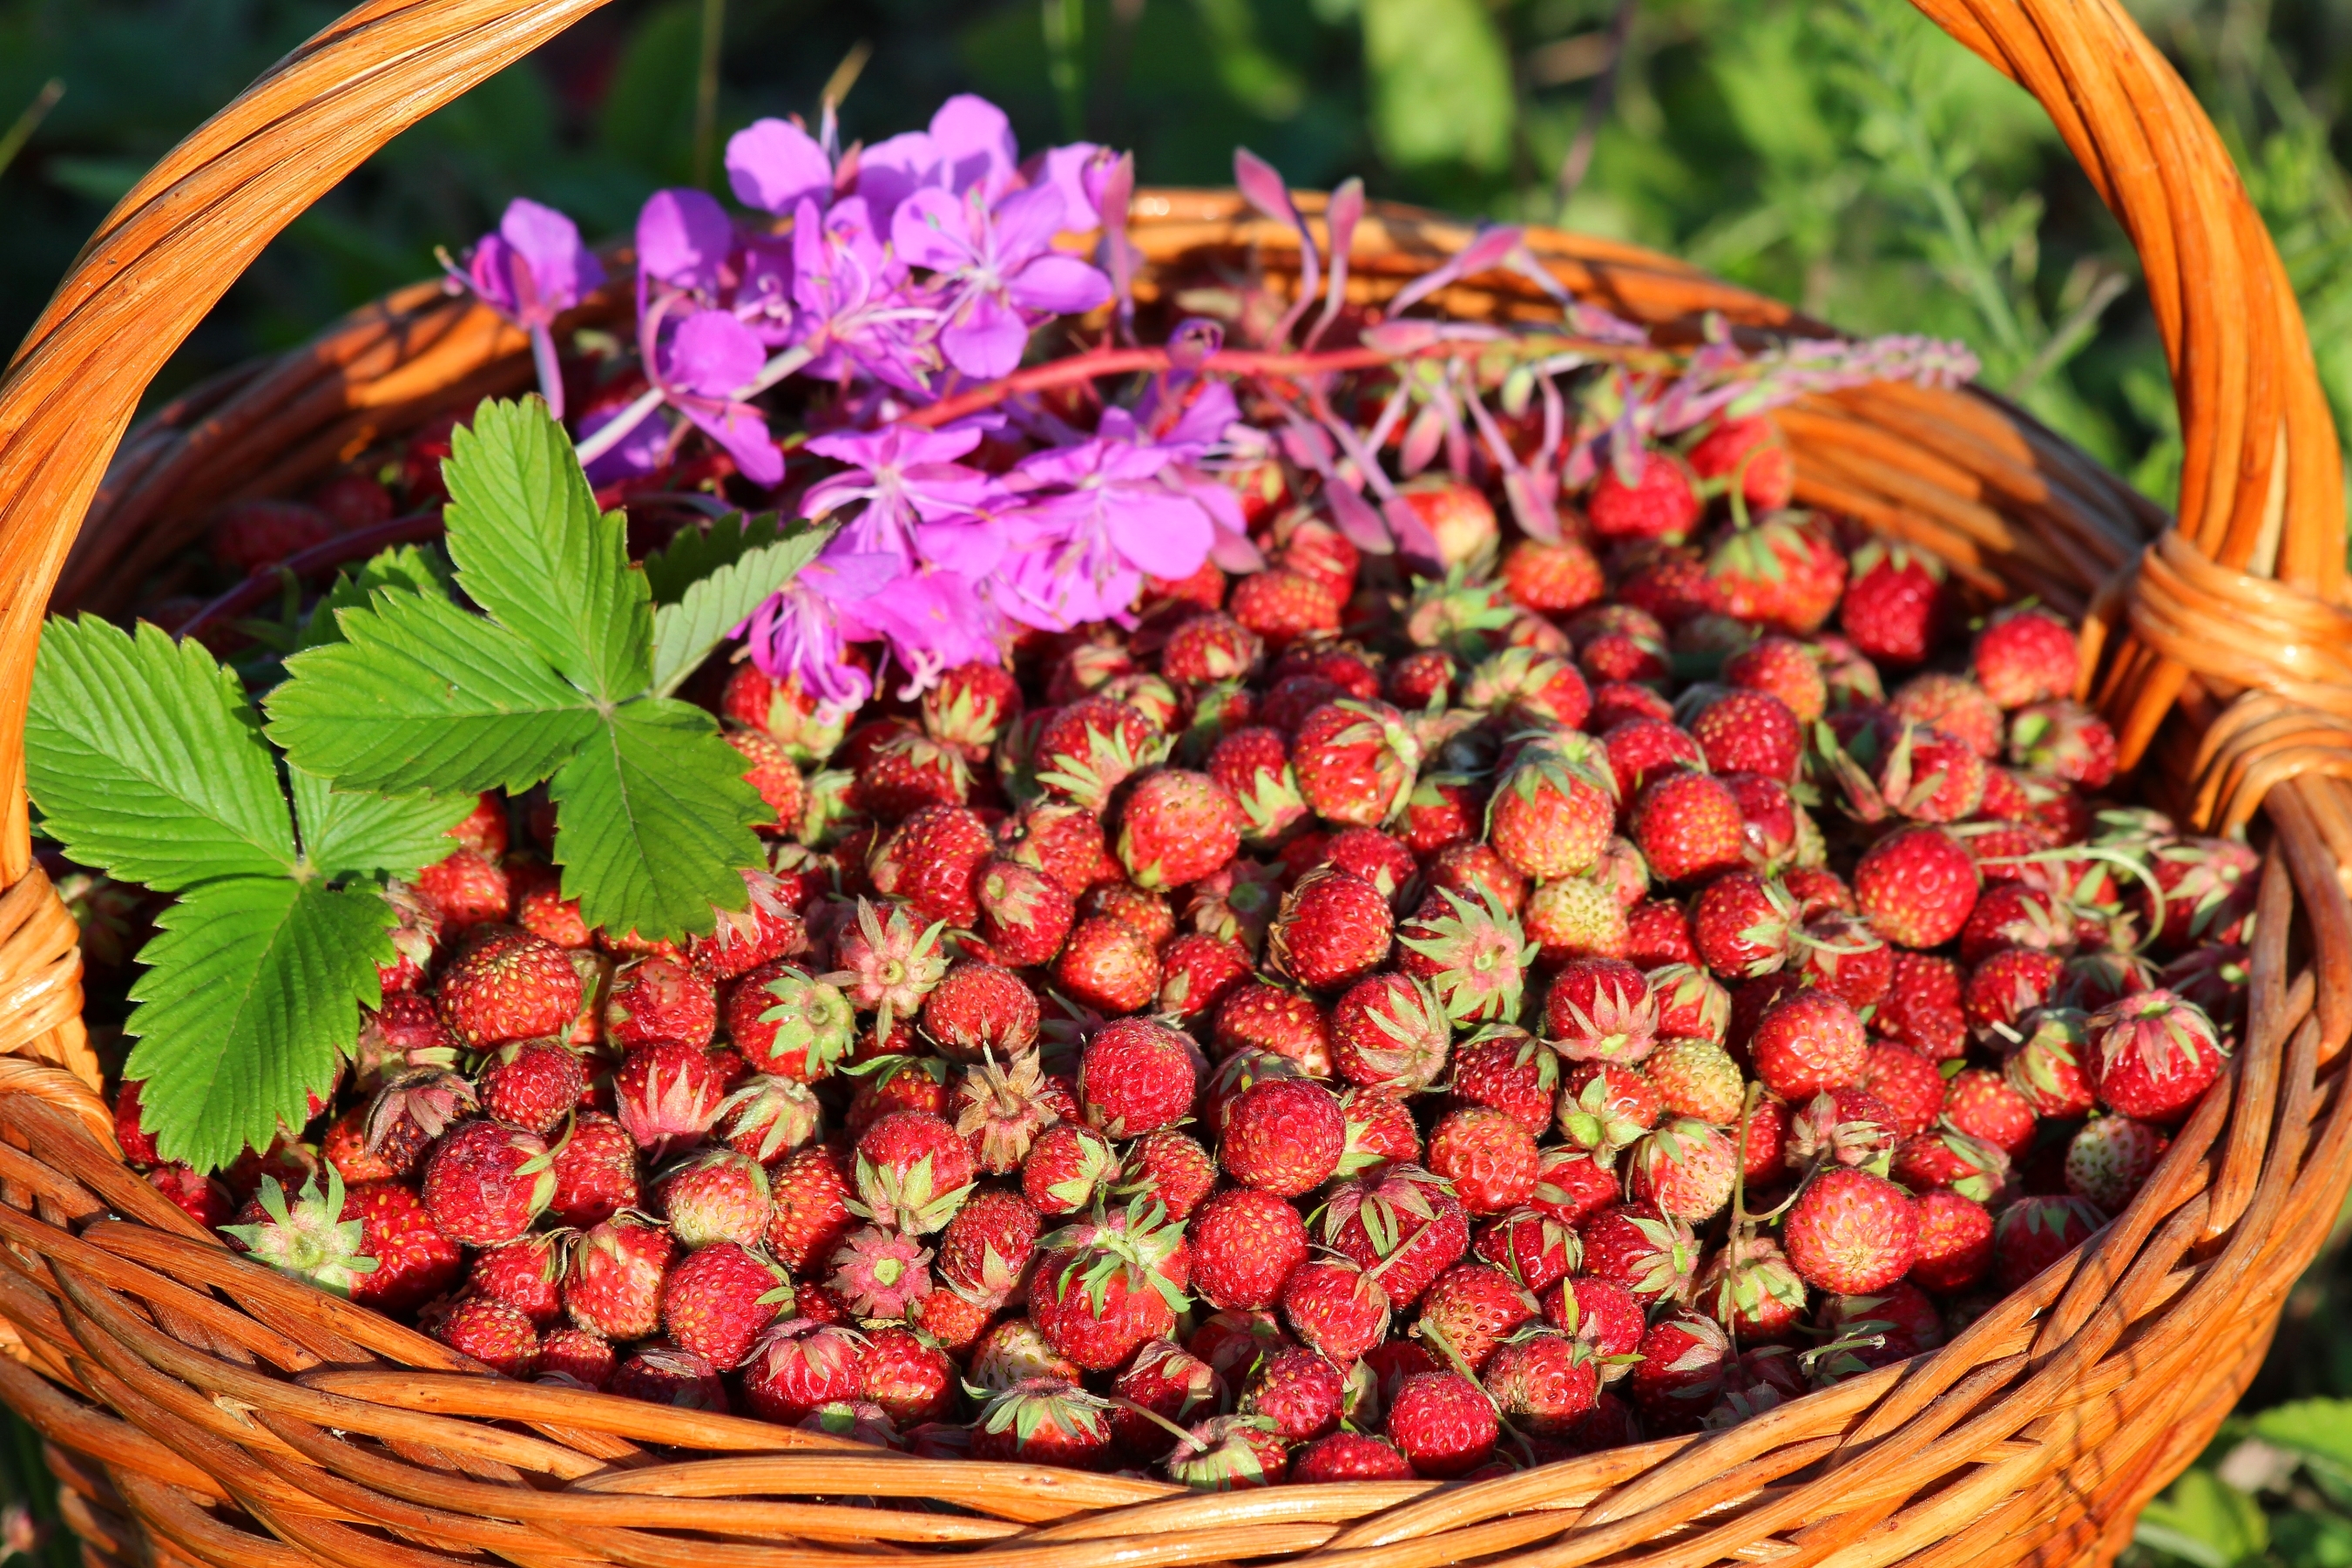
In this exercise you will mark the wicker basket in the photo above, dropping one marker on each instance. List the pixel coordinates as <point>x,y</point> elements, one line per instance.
<point>202,1408</point>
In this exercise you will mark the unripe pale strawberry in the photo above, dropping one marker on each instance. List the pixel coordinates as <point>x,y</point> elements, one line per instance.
<point>2111,1157</point>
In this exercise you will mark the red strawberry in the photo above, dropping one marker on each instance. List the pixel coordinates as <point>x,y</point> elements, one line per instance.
<point>532,1084</point>
<point>1645,749</point>
<point>879,1274</point>
<point>1100,1292</point>
<point>1471,1310</point>
<point>509,985</point>
<point>799,1366</point>
<point>1532,1246</point>
<point>1542,1380</point>
<point>414,1261</point>
<point>575,1358</point>
<point>1172,1383</point>
<point>1982,1105</point>
<point>1751,1290</point>
<point>1170,1168</point>
<point>493,1332</point>
<point>1401,1223</point>
<point>2152,1056</point>
<point>1211,648</point>
<point>1336,1306</point>
<point>1637,1246</point>
<point>1283,1136</point>
<point>1917,886</point>
<point>665,1374</point>
<point>913,1171</point>
<point>1684,1358</point>
<point>773,775</point>
<point>595,1166</point>
<point>1907,1085</point>
<point>526,1273</point>
<point>1599,1313</point>
<point>931,860</point>
<point>1388,1031</point>
<point>970,706</point>
<point>1487,1156</point>
<point>2026,655</point>
<point>901,770</point>
<point>1808,1042</point>
<point>1137,1076</point>
<point>1783,667</point>
<point>2034,1233</point>
<point>1108,965</point>
<point>667,1094</point>
<point>1198,971</point>
<point>912,1381</point>
<point>1506,1068</point>
<point>484,1184</point>
<point>467,890</point>
<point>1298,1392</point>
<point>1177,828</point>
<point>1782,570</point>
<point>1689,827</point>
<point>613,1283</point>
<point>1066,1165</point>
<point>1024,914</point>
<point>1355,762</point>
<point>1087,748</point>
<point>1333,927</point>
<point>1281,605</point>
<point>1604,1106</point>
<point>1643,495</point>
<point>717,1301</point>
<point>1951,705</point>
<point>1895,606</point>
<point>1253,765</point>
<point>1266,1019</point>
<point>978,1009</point>
<point>1851,1232</point>
<point>1577,917</point>
<point>1551,579</point>
<point>1444,1424</point>
<point>1475,872</point>
<point>1750,731</point>
<point>1381,1132</point>
<point>1944,1157</point>
<point>1600,1009</point>
<point>1350,1456</point>
<point>1552,813</point>
<point>1750,456</point>
<point>1246,1243</point>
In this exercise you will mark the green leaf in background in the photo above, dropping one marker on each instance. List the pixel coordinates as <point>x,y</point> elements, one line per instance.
<point>2318,1431</point>
<point>2203,1519</point>
<point>694,553</point>
<point>251,997</point>
<point>420,568</point>
<point>145,759</point>
<point>347,834</point>
<point>1441,83</point>
<point>423,696</point>
<point>653,819</point>
<point>532,550</point>
<point>685,632</point>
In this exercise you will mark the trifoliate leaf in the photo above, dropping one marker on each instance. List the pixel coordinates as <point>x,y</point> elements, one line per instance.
<point>146,761</point>
<point>694,553</point>
<point>251,995</point>
<point>405,566</point>
<point>358,832</point>
<point>423,696</point>
<point>686,632</point>
<point>653,819</point>
<point>533,550</point>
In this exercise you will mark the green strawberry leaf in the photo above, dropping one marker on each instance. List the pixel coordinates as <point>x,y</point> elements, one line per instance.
<point>422,696</point>
<point>251,997</point>
<point>694,553</point>
<point>653,820</point>
<point>357,833</point>
<point>418,567</point>
<point>533,550</point>
<point>145,759</point>
<point>685,632</point>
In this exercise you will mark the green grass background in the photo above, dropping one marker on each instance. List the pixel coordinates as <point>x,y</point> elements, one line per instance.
<point>1840,154</point>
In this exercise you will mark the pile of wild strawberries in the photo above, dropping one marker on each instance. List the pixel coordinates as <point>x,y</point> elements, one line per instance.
<point>1351,1024</point>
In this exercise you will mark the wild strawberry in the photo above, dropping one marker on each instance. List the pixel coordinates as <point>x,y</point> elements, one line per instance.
<point>1685,1168</point>
<point>1381,1132</point>
<point>1000,1108</point>
<point>2049,1066</point>
<point>1552,813</point>
<point>1643,495</point>
<point>1470,955</point>
<point>1335,1308</point>
<point>888,962</point>
<point>1601,1314</point>
<point>468,890</point>
<point>1355,762</point>
<point>1177,828</point>
<point>1642,750</point>
<point>667,1374</point>
<point>714,1195</point>
<point>1487,1156</point>
<point>666,1094</point>
<point>509,985</point>
<point>414,1261</point>
<point>2152,1056</point>
<point>2031,1234</point>
<point>1135,1076</point>
<point>783,709</point>
<point>1471,1308</point>
<point>1101,1291</point>
<point>1505,1068</point>
<point>1603,1107</point>
<point>1281,605</point>
<point>1750,731</point>
<point>879,1274</point>
<point>314,1236</point>
<point>1945,1157</point>
<point>969,707</point>
<point>1906,1084</point>
<point>1333,927</point>
<point>1422,678</point>
<point>575,1358</point>
<point>1658,936</point>
<point>1917,886</point>
<point>1600,1009</point>
<point>1108,965</point>
<point>1751,1290</point>
<point>1851,1232</point>
<point>1570,918</point>
<point>612,1281</point>
<point>1388,1031</point>
<point>902,770</point>
<point>1983,1105</point>
<point>493,1332</point>
<point>978,1009</point>
<point>1689,827</point>
<point>1541,1380</point>
<point>1839,953</point>
<point>1895,606</point>
<point>1246,1243</point>
<point>1921,1008</point>
<point>1283,1136</point>
<point>1350,1456</point>
<point>913,1172</point>
<point>1086,748</point>
<point>484,1184</point>
<point>413,1108</point>
<point>1782,570</point>
<point>1024,914</point>
<point>1847,1126</point>
<point>770,772</point>
<point>719,1299</point>
<point>1229,1453</point>
<point>1955,1242</point>
<point>1551,579</point>
<point>1808,1042</point>
<point>1066,1165</point>
<point>1444,1423</point>
<point>1198,971</point>
<point>2025,656</point>
<point>1298,1392</point>
<point>595,1166</point>
<point>2111,1157</point>
<point>1401,1222</point>
<point>930,860</point>
<point>798,1366</point>
<point>1783,668</point>
<point>1254,766</point>
<point>1684,1358</point>
<point>526,1273</point>
<point>1751,456</point>
<point>1696,1079</point>
<point>1284,1023</point>
<point>1475,872</point>
<point>532,1084</point>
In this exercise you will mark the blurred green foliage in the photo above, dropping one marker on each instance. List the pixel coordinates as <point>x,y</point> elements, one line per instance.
<point>1840,154</point>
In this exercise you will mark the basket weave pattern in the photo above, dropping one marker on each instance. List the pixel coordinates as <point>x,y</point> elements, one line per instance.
<point>201,1408</point>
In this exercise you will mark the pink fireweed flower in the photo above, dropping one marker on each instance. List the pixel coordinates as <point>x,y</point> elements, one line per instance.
<point>996,268</point>
<point>530,270</point>
<point>798,634</point>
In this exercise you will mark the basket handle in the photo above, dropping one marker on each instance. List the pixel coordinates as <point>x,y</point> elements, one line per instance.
<point>2261,481</point>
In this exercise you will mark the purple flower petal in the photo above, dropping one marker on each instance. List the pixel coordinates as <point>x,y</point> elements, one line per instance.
<point>563,268</point>
<point>1059,286</point>
<point>638,452</point>
<point>683,238</point>
<point>933,228</point>
<point>986,339</point>
<point>1166,534</point>
<point>773,165</point>
<point>973,140</point>
<point>713,354</point>
<point>1024,224</point>
<point>1077,171</point>
<point>743,431</point>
